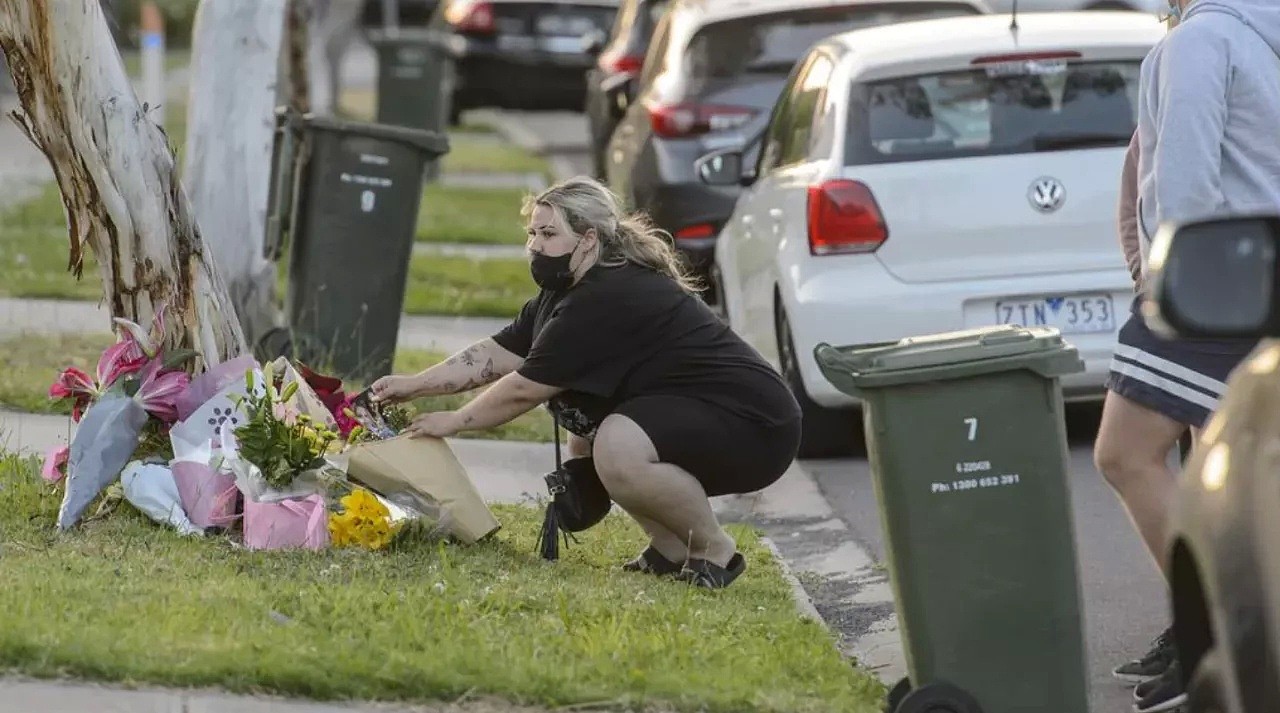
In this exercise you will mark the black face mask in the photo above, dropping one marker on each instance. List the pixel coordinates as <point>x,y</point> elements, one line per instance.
<point>552,273</point>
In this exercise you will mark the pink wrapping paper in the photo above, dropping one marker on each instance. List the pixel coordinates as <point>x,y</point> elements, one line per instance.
<point>299,523</point>
<point>208,384</point>
<point>207,496</point>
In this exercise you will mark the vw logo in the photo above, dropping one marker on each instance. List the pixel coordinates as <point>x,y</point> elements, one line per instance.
<point>1046,194</point>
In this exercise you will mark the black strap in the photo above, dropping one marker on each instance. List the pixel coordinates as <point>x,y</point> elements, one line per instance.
<point>555,418</point>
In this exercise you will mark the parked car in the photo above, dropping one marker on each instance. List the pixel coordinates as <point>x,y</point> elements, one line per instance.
<point>620,57</point>
<point>1216,279</point>
<point>713,72</point>
<point>409,13</point>
<point>519,54</point>
<point>909,185</point>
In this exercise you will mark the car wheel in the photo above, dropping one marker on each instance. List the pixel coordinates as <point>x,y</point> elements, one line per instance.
<point>824,432</point>
<point>1207,692</point>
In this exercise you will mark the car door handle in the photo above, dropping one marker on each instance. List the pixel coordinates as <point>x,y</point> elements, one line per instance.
<point>775,213</point>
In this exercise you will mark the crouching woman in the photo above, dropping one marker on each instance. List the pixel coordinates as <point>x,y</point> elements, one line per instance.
<point>670,403</point>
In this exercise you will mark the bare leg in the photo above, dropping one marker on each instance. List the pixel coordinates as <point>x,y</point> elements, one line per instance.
<point>659,492</point>
<point>1132,453</point>
<point>667,543</point>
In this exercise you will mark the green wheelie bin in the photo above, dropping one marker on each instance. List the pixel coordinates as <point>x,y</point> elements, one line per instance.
<point>966,439</point>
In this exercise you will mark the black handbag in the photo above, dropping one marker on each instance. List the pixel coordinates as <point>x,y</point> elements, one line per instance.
<point>578,500</point>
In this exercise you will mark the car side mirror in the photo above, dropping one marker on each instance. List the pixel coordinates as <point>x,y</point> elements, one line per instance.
<point>722,168</point>
<point>1216,279</point>
<point>593,43</point>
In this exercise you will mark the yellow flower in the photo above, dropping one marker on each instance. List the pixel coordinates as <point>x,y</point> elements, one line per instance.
<point>341,529</point>
<point>364,504</point>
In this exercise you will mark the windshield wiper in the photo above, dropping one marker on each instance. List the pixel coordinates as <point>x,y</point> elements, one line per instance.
<point>1049,142</point>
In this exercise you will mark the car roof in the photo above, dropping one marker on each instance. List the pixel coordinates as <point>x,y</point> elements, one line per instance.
<point>1111,34</point>
<point>717,10</point>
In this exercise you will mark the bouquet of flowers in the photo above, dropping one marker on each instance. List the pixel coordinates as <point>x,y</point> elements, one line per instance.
<point>363,521</point>
<point>124,409</point>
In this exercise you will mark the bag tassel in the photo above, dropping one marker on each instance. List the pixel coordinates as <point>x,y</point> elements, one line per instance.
<point>549,538</point>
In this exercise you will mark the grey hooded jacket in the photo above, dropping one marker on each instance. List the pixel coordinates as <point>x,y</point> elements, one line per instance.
<point>1209,117</point>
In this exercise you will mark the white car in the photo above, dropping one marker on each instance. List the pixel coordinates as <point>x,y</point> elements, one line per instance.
<point>934,176</point>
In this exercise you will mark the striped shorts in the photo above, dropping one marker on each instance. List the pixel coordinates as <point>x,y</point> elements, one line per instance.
<point>1182,379</point>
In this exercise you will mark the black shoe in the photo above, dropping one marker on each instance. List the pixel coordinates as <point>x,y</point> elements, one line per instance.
<point>1152,664</point>
<point>1166,695</point>
<point>1144,689</point>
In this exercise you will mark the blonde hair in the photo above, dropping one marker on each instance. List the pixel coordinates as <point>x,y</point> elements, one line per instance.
<point>586,204</point>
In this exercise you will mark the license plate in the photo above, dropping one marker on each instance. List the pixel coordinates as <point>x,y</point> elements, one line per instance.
<point>1074,314</point>
<point>565,25</point>
<point>561,45</point>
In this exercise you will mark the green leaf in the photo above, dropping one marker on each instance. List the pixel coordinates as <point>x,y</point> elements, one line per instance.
<point>175,358</point>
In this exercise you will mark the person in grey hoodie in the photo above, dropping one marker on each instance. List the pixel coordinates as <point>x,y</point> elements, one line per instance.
<point>1207,146</point>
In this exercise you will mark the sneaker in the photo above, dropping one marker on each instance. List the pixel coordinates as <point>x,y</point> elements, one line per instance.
<point>1166,695</point>
<point>1144,689</point>
<point>1152,664</point>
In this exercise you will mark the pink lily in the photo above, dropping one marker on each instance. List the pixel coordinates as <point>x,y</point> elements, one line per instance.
<point>74,384</point>
<point>55,463</point>
<point>147,344</point>
<point>118,360</point>
<point>159,391</point>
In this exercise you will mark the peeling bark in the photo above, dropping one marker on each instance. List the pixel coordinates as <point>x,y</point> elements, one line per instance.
<point>116,172</point>
<point>235,70</point>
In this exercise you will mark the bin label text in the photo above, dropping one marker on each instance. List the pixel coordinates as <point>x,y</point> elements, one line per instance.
<point>972,423</point>
<point>986,481</point>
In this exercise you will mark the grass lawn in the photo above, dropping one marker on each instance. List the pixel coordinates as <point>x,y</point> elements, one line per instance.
<point>469,153</point>
<point>453,285</point>
<point>29,364</point>
<point>33,263</point>
<point>452,214</point>
<point>174,59</point>
<point>34,249</point>
<point>121,599</point>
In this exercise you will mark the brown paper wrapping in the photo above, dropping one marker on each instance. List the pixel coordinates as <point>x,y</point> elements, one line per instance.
<point>423,473</point>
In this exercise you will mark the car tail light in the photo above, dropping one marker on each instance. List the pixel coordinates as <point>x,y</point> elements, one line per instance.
<point>471,16</point>
<point>621,64</point>
<point>680,120</point>
<point>697,231</point>
<point>844,218</point>
<point>1025,57</point>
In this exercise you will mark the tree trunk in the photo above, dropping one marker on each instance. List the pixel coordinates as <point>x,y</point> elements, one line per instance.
<point>116,172</point>
<point>295,90</point>
<point>235,65</point>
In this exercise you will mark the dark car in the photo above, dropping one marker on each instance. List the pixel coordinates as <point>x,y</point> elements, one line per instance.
<point>520,54</point>
<point>621,55</point>
<point>711,78</point>
<point>409,13</point>
<point>1218,279</point>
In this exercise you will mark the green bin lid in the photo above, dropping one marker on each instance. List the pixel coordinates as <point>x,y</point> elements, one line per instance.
<point>949,355</point>
<point>432,143</point>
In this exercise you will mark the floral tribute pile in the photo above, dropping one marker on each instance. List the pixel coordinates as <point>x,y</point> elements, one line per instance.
<point>245,449</point>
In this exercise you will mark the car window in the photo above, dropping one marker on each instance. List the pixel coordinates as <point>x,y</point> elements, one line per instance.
<point>723,52</point>
<point>1000,109</point>
<point>804,109</point>
<point>779,131</point>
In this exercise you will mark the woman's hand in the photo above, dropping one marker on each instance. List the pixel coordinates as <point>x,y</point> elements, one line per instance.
<point>395,388</point>
<point>441,424</point>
